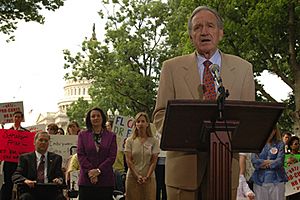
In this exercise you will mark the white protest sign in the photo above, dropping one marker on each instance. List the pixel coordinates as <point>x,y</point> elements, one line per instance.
<point>37,128</point>
<point>122,127</point>
<point>62,145</point>
<point>7,110</point>
<point>293,184</point>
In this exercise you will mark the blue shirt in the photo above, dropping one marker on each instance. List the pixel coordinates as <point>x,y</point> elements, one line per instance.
<point>215,59</point>
<point>275,173</point>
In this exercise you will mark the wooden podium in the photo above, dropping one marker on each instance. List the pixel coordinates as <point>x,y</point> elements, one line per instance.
<point>192,126</point>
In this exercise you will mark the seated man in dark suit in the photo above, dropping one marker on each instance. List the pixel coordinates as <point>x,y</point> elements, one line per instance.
<point>39,173</point>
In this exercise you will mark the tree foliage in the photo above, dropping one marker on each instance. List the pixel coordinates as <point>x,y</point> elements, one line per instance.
<point>125,67</point>
<point>78,110</point>
<point>266,33</point>
<point>140,35</point>
<point>13,11</point>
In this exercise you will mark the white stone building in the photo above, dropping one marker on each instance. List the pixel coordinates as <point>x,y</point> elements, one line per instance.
<point>72,91</point>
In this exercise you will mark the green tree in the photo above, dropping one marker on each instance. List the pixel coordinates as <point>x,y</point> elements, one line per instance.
<point>125,67</point>
<point>13,11</point>
<point>77,111</point>
<point>266,33</point>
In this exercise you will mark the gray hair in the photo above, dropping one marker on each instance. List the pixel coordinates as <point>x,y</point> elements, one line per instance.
<point>220,22</point>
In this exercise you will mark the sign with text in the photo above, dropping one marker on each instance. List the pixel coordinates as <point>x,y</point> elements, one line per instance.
<point>293,184</point>
<point>122,127</point>
<point>63,145</point>
<point>37,128</point>
<point>7,110</point>
<point>13,143</point>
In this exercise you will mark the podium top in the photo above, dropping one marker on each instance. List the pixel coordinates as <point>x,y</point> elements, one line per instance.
<point>184,121</point>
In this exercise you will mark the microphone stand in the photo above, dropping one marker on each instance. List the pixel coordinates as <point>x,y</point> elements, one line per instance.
<point>223,94</point>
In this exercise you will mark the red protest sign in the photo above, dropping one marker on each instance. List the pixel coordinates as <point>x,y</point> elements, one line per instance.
<point>13,143</point>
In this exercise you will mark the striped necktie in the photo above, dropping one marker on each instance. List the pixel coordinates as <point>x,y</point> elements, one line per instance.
<point>41,170</point>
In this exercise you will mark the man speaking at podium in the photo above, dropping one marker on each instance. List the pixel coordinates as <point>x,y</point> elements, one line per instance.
<point>189,77</point>
<point>39,173</point>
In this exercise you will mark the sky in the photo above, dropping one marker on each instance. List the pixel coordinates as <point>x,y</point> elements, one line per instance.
<point>32,66</point>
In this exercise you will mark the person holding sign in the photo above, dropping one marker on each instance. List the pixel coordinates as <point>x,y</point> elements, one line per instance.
<point>141,151</point>
<point>269,176</point>
<point>292,157</point>
<point>38,168</point>
<point>10,167</point>
<point>96,151</point>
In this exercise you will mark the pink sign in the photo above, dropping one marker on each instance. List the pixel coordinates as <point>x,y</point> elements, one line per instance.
<point>14,143</point>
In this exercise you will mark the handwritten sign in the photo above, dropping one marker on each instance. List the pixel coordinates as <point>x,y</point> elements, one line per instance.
<point>7,110</point>
<point>13,143</point>
<point>62,145</point>
<point>37,128</point>
<point>122,127</point>
<point>293,184</point>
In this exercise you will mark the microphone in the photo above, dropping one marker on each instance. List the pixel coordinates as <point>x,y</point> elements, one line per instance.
<point>215,70</point>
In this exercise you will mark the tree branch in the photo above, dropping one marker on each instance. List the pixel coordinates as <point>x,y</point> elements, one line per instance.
<point>260,88</point>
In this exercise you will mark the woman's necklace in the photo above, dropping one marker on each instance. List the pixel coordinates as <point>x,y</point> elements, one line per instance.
<point>97,136</point>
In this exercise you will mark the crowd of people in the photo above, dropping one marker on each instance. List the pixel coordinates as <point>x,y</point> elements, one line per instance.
<point>94,157</point>
<point>151,173</point>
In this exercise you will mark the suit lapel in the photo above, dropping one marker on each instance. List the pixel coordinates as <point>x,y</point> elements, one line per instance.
<point>49,164</point>
<point>192,77</point>
<point>227,72</point>
<point>33,167</point>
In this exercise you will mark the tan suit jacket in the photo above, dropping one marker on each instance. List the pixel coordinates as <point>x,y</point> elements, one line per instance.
<point>180,79</point>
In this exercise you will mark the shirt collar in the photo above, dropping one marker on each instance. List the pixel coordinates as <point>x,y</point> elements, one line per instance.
<point>215,59</point>
<point>38,155</point>
<point>15,128</point>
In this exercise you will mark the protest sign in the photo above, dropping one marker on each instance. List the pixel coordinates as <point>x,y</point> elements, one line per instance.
<point>37,128</point>
<point>14,142</point>
<point>122,127</point>
<point>293,184</point>
<point>63,145</point>
<point>7,110</point>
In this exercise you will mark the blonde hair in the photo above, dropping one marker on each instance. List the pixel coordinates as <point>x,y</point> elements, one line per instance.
<point>134,129</point>
<point>277,136</point>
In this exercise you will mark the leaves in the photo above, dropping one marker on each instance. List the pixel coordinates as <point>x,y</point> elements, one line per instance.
<point>13,11</point>
<point>125,68</point>
<point>141,34</point>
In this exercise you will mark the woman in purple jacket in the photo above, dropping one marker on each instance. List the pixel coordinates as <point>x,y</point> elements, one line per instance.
<point>97,149</point>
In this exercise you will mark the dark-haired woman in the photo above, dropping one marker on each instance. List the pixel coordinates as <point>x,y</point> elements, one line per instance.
<point>97,149</point>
